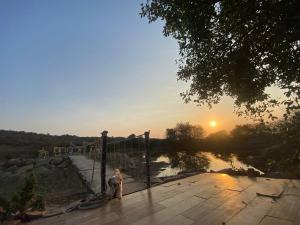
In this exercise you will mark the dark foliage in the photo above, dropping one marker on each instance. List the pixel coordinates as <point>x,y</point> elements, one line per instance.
<point>21,138</point>
<point>235,48</point>
<point>189,162</point>
<point>271,147</point>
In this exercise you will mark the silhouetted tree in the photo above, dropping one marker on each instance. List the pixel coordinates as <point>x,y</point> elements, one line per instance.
<point>132,136</point>
<point>170,134</point>
<point>185,131</point>
<point>235,48</point>
<point>241,131</point>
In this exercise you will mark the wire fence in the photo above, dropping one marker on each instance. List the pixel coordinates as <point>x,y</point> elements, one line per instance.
<point>96,161</point>
<point>129,156</point>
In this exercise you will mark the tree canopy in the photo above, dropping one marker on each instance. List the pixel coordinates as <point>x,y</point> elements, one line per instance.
<point>235,48</point>
<point>185,131</point>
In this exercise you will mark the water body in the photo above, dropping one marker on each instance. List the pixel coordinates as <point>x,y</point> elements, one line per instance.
<point>178,162</point>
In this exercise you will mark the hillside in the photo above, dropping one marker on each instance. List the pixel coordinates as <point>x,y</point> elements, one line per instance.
<point>24,143</point>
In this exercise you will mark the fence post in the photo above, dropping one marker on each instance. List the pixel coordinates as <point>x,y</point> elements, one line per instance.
<point>147,140</point>
<point>103,162</point>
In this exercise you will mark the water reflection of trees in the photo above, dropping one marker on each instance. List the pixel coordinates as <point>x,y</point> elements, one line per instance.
<point>227,157</point>
<point>189,161</point>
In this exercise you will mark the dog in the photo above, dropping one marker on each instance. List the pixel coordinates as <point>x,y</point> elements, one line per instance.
<point>115,184</point>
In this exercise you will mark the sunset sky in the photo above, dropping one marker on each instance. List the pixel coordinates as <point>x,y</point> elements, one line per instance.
<point>80,67</point>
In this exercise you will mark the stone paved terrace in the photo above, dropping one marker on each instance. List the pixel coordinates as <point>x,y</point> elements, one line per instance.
<point>206,199</point>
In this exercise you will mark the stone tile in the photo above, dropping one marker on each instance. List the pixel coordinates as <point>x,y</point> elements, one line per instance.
<point>274,221</point>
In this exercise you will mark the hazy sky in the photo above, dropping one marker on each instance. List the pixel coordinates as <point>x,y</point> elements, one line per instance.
<point>80,67</point>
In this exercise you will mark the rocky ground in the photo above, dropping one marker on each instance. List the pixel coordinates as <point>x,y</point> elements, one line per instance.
<point>57,179</point>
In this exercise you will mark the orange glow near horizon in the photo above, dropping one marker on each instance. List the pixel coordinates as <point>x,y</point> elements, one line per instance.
<point>213,124</point>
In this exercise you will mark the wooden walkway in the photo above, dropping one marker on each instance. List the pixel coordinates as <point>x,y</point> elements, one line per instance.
<point>206,199</point>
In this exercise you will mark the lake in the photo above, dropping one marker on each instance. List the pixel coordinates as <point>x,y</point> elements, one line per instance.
<point>175,163</point>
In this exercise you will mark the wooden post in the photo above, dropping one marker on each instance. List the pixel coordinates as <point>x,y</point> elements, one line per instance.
<point>147,140</point>
<point>103,162</point>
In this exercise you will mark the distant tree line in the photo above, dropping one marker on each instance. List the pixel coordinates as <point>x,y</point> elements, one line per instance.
<point>21,138</point>
<point>269,147</point>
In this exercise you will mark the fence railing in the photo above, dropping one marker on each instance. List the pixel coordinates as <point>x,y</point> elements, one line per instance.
<point>127,155</point>
<point>95,161</point>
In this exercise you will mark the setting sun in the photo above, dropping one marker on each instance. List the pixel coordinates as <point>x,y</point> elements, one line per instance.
<point>212,123</point>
